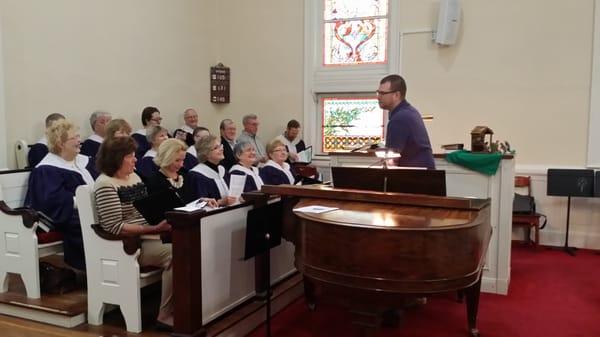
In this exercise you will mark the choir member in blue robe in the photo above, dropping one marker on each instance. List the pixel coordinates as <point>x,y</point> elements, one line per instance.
<point>191,157</point>
<point>207,179</point>
<point>146,166</point>
<point>246,155</point>
<point>150,117</point>
<point>98,121</point>
<point>277,171</point>
<point>52,186</point>
<point>117,128</point>
<point>39,150</point>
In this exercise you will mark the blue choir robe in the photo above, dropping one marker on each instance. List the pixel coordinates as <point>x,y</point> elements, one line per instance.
<point>273,174</point>
<point>142,143</point>
<point>51,190</point>
<point>37,152</point>
<point>189,135</point>
<point>190,161</point>
<point>204,182</point>
<point>90,146</point>
<point>253,180</point>
<point>146,167</point>
<point>192,151</point>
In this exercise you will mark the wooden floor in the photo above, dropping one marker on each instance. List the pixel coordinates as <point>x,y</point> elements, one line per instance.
<point>237,323</point>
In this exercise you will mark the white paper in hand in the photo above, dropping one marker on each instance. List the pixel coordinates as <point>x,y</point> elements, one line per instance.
<point>236,185</point>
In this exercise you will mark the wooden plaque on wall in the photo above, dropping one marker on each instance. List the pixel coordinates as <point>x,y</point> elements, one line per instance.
<point>220,79</point>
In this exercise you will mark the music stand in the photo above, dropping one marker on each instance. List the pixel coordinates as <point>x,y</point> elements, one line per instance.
<point>570,183</point>
<point>430,182</point>
<point>263,232</point>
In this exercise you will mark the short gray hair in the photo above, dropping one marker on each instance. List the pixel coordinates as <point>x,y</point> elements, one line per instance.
<point>224,123</point>
<point>204,146</point>
<point>248,117</point>
<point>97,114</point>
<point>239,148</point>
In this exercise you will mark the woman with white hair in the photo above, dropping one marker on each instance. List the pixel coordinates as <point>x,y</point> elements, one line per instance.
<point>53,182</point>
<point>245,153</point>
<point>146,166</point>
<point>207,179</point>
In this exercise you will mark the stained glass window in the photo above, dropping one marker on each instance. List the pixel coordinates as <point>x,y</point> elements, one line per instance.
<point>355,32</point>
<point>350,122</point>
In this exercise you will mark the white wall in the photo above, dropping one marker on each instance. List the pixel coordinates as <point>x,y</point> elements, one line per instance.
<point>519,67</point>
<point>74,57</point>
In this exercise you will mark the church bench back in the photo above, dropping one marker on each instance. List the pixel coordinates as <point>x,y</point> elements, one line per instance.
<point>13,186</point>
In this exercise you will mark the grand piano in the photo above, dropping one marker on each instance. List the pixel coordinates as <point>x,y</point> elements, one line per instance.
<point>379,248</point>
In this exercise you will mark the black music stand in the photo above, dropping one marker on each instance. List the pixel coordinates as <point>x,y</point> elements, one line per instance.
<point>416,181</point>
<point>570,183</point>
<point>263,232</point>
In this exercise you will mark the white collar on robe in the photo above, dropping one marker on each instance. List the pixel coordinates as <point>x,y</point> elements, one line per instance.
<point>150,153</point>
<point>252,172</point>
<point>42,140</point>
<point>81,162</point>
<point>141,132</point>
<point>192,150</point>
<point>94,137</point>
<point>206,171</point>
<point>187,129</point>
<point>285,169</point>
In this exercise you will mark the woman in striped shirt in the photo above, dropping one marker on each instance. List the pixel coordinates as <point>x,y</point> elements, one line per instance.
<point>115,190</point>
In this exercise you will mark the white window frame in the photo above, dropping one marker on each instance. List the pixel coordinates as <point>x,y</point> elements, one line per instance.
<point>356,79</point>
<point>593,150</point>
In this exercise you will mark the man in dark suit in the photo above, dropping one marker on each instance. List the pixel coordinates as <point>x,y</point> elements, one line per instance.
<point>228,132</point>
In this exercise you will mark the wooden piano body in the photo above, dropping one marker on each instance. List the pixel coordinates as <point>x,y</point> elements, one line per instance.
<point>378,248</point>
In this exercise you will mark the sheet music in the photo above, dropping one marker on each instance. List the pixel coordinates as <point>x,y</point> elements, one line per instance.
<point>236,185</point>
<point>192,206</point>
<point>305,156</point>
<point>315,209</point>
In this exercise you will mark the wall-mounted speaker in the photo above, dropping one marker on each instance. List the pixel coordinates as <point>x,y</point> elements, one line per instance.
<point>448,22</point>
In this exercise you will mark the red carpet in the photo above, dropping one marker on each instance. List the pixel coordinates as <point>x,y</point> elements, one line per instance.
<point>551,295</point>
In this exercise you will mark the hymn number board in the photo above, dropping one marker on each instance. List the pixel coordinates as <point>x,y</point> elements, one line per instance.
<point>220,77</point>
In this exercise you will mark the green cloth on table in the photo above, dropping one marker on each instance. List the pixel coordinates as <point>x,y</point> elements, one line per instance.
<point>486,163</point>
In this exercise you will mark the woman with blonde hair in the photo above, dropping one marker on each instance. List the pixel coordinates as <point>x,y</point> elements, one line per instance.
<point>53,182</point>
<point>170,176</point>
<point>276,170</point>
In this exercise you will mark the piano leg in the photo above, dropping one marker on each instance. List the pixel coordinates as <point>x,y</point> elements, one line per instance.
<point>309,294</point>
<point>472,295</point>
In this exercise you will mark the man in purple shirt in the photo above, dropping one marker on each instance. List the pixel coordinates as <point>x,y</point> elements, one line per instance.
<point>406,132</point>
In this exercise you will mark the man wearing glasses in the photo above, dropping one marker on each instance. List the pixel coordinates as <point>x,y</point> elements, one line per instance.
<point>406,133</point>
